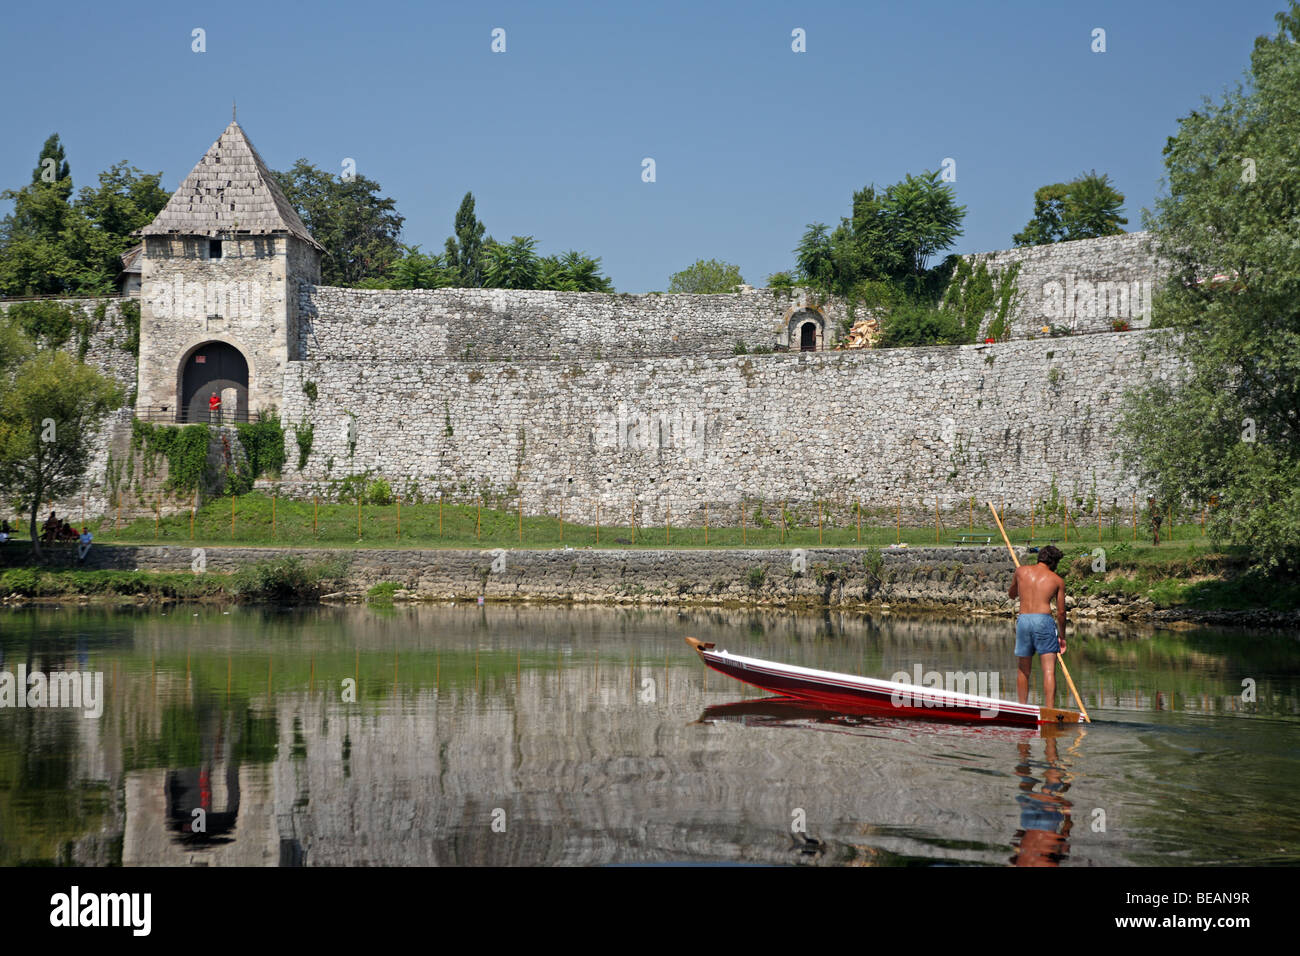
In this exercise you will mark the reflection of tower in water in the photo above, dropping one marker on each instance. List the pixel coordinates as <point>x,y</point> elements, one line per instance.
<point>1045,822</point>
<point>202,803</point>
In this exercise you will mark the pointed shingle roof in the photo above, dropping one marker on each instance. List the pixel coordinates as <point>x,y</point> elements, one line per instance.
<point>230,191</point>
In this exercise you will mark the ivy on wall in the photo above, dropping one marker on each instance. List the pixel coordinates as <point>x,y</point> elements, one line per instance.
<point>975,292</point>
<point>303,434</point>
<point>186,451</point>
<point>263,442</point>
<point>129,310</point>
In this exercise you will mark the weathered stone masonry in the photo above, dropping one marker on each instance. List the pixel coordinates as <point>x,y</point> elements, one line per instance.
<point>1003,419</point>
<point>504,324</point>
<point>1083,285</point>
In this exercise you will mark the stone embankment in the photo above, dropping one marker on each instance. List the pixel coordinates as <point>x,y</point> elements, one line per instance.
<point>971,580</point>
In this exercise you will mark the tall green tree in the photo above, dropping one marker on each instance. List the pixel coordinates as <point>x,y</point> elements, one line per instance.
<point>50,410</point>
<point>1084,208</point>
<point>707,276</point>
<point>32,258</point>
<point>1229,428</point>
<point>890,236</point>
<point>358,227</point>
<point>464,251</point>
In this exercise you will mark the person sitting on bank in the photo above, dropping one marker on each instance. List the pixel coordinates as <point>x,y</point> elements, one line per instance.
<point>83,543</point>
<point>1037,585</point>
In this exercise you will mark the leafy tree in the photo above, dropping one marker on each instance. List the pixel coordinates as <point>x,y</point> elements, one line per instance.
<point>48,324</point>
<point>1084,208</point>
<point>1230,426</point>
<point>512,265</point>
<point>51,246</point>
<point>464,250</point>
<point>815,257</point>
<point>416,270</point>
<point>125,200</point>
<point>357,226</point>
<point>918,324</point>
<point>573,271</point>
<point>918,218</point>
<point>890,236</point>
<point>706,277</point>
<point>50,409</point>
<point>32,258</point>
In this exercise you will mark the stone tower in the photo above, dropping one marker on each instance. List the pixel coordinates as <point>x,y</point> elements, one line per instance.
<point>219,280</point>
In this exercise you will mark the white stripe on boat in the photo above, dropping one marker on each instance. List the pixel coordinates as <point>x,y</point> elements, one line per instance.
<point>938,695</point>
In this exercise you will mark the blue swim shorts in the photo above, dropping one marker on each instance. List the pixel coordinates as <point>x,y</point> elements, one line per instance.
<point>1036,633</point>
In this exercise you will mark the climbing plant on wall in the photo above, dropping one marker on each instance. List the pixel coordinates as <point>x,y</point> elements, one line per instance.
<point>185,449</point>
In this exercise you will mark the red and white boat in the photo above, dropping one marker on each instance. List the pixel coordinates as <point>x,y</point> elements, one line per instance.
<point>850,694</point>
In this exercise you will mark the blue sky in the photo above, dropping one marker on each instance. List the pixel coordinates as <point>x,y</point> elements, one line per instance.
<point>751,141</point>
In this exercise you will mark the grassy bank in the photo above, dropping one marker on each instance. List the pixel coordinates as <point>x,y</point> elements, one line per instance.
<point>288,580</point>
<point>257,520</point>
<point>1193,576</point>
<point>1189,577</point>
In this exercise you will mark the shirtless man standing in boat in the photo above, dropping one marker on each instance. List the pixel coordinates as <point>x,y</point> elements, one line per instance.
<point>1037,585</point>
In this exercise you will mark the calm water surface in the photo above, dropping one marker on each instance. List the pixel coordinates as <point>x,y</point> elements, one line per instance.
<point>505,735</point>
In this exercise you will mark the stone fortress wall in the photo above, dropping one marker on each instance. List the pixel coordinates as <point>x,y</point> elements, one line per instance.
<point>508,324</point>
<point>681,433</point>
<point>1083,285</point>
<point>582,401</point>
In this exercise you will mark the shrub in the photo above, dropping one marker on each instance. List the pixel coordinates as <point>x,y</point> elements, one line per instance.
<point>352,487</point>
<point>284,581</point>
<point>379,492</point>
<point>917,324</point>
<point>24,581</point>
<point>382,593</point>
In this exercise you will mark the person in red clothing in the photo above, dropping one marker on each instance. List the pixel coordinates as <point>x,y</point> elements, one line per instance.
<point>214,408</point>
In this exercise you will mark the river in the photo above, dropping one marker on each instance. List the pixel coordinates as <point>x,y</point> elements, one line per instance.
<point>517,735</point>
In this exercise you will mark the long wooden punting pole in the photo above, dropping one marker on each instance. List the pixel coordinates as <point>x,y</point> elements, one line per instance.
<point>1060,656</point>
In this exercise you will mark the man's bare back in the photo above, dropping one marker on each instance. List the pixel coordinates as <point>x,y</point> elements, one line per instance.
<point>1038,586</point>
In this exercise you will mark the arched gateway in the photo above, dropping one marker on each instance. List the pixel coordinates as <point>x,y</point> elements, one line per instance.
<point>214,367</point>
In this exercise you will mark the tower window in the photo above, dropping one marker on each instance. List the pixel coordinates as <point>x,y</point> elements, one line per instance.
<point>214,248</point>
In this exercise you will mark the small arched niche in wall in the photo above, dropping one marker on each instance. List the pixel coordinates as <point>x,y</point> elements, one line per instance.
<point>806,330</point>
